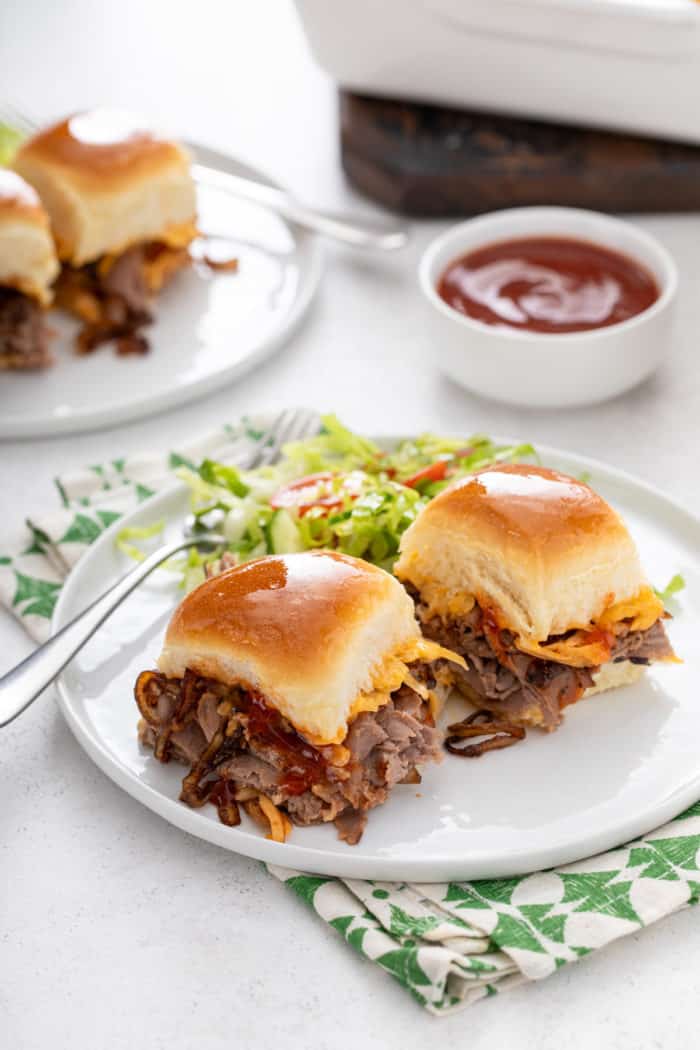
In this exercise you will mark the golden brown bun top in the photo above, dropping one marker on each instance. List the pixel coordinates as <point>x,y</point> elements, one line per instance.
<point>103,147</point>
<point>539,509</point>
<point>541,549</point>
<point>108,181</point>
<point>288,605</point>
<point>310,631</point>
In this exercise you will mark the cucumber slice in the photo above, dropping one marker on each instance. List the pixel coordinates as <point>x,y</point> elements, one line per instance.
<point>284,534</point>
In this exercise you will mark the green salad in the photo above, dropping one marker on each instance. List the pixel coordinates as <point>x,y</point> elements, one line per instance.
<point>336,490</point>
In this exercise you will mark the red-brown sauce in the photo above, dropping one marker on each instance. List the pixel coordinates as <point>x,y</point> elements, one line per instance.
<point>547,284</point>
<point>223,793</point>
<point>304,764</point>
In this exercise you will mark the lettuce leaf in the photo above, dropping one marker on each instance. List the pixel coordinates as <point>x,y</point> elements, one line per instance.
<point>674,586</point>
<point>10,139</point>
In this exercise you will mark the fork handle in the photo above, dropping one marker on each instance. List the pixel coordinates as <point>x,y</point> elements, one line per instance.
<point>355,231</point>
<point>25,682</point>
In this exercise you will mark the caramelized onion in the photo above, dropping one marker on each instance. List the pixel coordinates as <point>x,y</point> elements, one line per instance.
<point>481,724</point>
<point>220,265</point>
<point>223,796</point>
<point>279,823</point>
<point>147,698</point>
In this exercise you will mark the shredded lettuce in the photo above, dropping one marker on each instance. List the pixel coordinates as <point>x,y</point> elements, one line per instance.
<point>335,448</point>
<point>223,477</point>
<point>369,526</point>
<point>192,568</point>
<point>10,139</point>
<point>137,532</point>
<point>674,586</point>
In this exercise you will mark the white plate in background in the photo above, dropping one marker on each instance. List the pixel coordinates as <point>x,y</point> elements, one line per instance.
<point>621,764</point>
<point>209,327</point>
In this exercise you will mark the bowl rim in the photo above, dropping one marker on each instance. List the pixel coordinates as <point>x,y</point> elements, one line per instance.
<point>668,285</point>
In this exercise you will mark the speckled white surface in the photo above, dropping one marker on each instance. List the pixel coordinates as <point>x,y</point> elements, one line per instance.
<point>116,930</point>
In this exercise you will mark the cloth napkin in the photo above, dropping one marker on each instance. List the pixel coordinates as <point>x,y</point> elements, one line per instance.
<point>448,944</point>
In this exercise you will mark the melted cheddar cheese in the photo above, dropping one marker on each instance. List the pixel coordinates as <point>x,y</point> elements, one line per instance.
<point>159,270</point>
<point>440,601</point>
<point>394,672</point>
<point>643,610</point>
<point>590,645</point>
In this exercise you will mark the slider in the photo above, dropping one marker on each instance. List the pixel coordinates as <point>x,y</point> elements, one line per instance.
<point>28,266</point>
<point>121,200</point>
<point>534,579</point>
<point>298,687</point>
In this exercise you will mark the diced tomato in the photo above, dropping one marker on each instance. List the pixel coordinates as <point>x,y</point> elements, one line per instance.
<point>314,490</point>
<point>435,472</point>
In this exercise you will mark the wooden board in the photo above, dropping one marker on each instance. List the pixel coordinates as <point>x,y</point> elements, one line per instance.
<point>429,160</point>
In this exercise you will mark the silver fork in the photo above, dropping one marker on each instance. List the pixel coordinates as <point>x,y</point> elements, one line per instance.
<point>25,682</point>
<point>364,232</point>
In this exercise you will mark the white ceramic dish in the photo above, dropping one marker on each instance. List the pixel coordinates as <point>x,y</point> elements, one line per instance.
<point>548,370</point>
<point>626,64</point>
<point>621,764</point>
<point>210,327</point>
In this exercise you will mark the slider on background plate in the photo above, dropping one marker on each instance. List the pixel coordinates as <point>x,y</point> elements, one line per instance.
<point>121,200</point>
<point>535,580</point>
<point>298,686</point>
<point>28,265</point>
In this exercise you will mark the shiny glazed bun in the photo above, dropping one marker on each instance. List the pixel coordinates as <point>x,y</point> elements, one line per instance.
<point>108,181</point>
<point>27,255</point>
<point>540,549</point>
<point>311,632</point>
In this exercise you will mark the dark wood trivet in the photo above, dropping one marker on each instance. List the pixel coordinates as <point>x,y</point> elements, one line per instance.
<point>430,160</point>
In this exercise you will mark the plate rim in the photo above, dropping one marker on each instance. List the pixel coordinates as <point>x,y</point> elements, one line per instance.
<point>308,248</point>
<point>437,867</point>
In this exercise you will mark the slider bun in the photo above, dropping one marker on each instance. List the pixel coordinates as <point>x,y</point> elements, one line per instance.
<point>27,255</point>
<point>540,549</point>
<point>108,182</point>
<point>611,676</point>
<point>309,631</point>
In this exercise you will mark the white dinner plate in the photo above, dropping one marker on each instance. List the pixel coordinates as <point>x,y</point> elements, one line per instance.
<point>209,329</point>
<point>620,765</point>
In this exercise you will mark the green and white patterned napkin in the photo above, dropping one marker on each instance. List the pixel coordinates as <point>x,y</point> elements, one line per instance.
<point>448,944</point>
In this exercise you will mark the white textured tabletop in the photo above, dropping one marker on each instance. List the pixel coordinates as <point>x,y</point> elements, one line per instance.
<point>116,929</point>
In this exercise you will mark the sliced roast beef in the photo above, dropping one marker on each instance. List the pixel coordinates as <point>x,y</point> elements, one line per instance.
<point>24,337</point>
<point>227,735</point>
<point>643,647</point>
<point>248,770</point>
<point>126,280</point>
<point>121,303</point>
<point>364,735</point>
<point>527,690</point>
<point>114,302</point>
<point>351,824</point>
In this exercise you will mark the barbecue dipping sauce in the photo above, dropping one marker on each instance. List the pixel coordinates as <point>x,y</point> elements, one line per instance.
<point>547,284</point>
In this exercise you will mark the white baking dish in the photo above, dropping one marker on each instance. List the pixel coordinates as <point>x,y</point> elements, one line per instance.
<point>632,65</point>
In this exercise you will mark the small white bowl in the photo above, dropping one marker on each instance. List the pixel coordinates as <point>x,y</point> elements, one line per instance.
<point>541,369</point>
